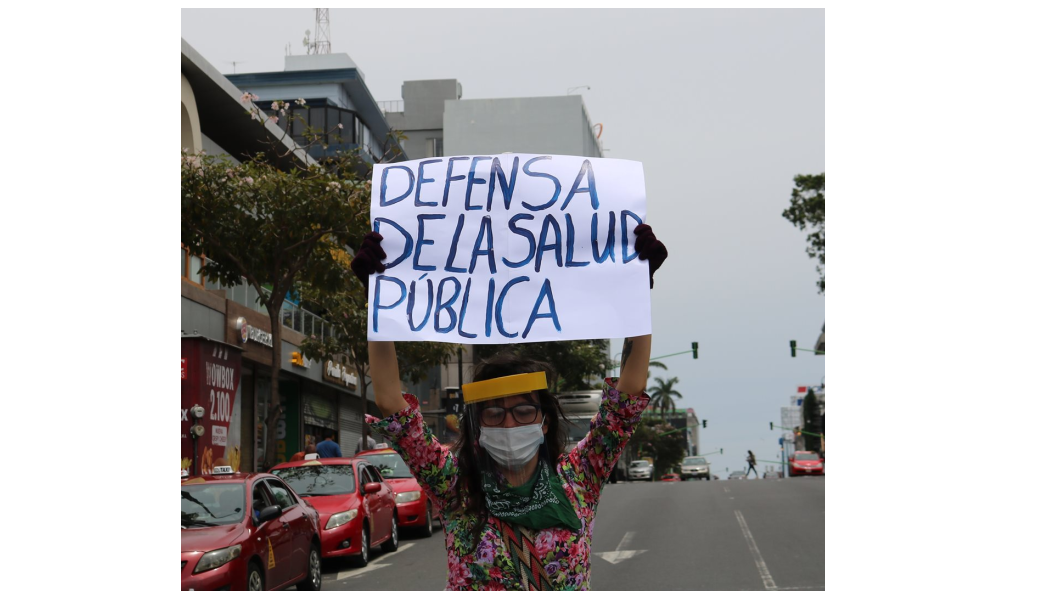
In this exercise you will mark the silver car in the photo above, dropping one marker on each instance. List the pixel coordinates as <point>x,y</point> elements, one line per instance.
<point>695,468</point>
<point>641,470</point>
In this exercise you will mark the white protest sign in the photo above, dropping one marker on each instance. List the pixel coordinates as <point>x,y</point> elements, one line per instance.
<point>508,248</point>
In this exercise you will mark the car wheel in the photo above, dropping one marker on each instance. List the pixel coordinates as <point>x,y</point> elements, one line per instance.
<point>254,577</point>
<point>428,529</point>
<point>314,579</point>
<point>365,547</point>
<point>391,544</point>
<point>708,477</point>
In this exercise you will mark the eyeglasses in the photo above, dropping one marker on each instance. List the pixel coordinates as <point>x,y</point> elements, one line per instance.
<point>524,413</point>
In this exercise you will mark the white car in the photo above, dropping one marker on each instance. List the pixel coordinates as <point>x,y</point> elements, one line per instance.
<point>694,467</point>
<point>641,470</point>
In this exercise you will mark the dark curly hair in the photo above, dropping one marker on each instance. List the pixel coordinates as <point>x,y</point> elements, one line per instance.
<point>505,363</point>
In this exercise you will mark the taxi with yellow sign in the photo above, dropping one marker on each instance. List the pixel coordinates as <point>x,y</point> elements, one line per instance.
<point>414,508</point>
<point>357,507</point>
<point>246,531</point>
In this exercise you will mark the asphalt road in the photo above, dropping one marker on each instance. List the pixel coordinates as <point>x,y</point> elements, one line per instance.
<point>716,535</point>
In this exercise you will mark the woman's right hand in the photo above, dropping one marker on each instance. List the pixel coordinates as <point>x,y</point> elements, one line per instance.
<point>369,258</point>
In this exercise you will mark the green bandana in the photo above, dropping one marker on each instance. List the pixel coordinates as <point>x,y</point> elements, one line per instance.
<point>539,503</point>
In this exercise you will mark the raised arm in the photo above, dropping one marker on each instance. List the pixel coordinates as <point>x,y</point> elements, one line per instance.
<point>382,358</point>
<point>635,359</point>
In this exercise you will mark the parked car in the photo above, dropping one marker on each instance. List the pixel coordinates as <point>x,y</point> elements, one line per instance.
<point>246,531</point>
<point>358,509</point>
<point>414,507</point>
<point>804,462</point>
<point>641,470</point>
<point>670,477</point>
<point>737,475</point>
<point>694,468</point>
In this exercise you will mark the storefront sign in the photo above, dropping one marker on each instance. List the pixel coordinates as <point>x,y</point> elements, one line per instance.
<point>299,360</point>
<point>251,333</point>
<point>337,373</point>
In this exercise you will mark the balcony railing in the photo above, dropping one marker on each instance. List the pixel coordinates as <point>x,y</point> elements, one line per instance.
<point>292,316</point>
<point>392,106</point>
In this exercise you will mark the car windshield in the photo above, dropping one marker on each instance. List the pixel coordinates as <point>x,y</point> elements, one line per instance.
<point>806,456</point>
<point>694,461</point>
<point>318,480</point>
<point>640,463</point>
<point>578,429</point>
<point>212,504</point>
<point>391,465</point>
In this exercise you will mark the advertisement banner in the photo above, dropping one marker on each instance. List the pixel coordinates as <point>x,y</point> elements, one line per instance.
<point>210,375</point>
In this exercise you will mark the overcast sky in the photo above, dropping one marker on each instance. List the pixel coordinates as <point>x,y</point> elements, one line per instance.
<point>723,107</point>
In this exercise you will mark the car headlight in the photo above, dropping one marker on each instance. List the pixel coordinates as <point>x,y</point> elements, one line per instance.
<point>408,496</point>
<point>340,518</point>
<point>217,558</point>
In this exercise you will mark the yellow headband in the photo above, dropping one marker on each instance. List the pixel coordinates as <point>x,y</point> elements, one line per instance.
<point>497,388</point>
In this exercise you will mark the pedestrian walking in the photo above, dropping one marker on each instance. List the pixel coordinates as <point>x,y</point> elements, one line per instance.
<point>328,448</point>
<point>518,511</point>
<point>371,443</point>
<point>752,460</point>
<point>310,448</point>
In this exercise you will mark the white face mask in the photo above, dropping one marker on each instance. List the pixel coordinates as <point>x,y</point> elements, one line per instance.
<point>512,448</point>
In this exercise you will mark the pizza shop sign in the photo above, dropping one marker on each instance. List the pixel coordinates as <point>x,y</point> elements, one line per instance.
<point>337,373</point>
<point>252,333</point>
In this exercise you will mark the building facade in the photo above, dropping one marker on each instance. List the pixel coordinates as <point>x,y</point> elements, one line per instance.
<point>226,335</point>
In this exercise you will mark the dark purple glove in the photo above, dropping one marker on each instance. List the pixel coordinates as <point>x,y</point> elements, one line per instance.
<point>369,259</point>
<point>649,248</point>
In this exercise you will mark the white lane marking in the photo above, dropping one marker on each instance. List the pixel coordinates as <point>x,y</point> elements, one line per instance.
<point>725,490</point>
<point>353,573</point>
<point>769,584</point>
<point>621,554</point>
<point>373,564</point>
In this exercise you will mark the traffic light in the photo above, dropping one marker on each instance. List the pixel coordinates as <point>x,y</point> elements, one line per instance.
<point>771,425</point>
<point>705,423</point>
<point>694,350</point>
<point>721,451</point>
<point>793,348</point>
<point>797,431</point>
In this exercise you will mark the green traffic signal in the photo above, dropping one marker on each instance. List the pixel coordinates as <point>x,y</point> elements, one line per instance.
<point>793,348</point>
<point>694,350</point>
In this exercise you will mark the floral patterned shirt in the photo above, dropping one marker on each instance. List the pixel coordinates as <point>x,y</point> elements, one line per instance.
<point>583,471</point>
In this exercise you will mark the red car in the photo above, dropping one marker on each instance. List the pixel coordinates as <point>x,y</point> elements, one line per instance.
<point>414,508</point>
<point>246,531</point>
<point>670,477</point>
<point>357,507</point>
<point>804,462</point>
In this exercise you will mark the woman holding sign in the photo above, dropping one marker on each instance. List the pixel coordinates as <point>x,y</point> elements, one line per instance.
<point>518,512</point>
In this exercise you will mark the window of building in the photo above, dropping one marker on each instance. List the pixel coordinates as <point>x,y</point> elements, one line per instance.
<point>190,269</point>
<point>434,147</point>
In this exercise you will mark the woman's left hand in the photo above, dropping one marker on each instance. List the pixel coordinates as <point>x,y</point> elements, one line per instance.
<point>650,248</point>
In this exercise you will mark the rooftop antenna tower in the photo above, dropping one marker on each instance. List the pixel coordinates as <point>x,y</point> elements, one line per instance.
<point>321,44</point>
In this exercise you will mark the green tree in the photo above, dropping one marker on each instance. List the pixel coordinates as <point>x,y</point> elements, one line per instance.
<point>655,439</point>
<point>808,210</point>
<point>347,309</point>
<point>811,421</point>
<point>575,362</point>
<point>663,395</point>
<point>272,221</point>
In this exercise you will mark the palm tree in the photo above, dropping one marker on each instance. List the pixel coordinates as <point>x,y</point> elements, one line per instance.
<point>662,394</point>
